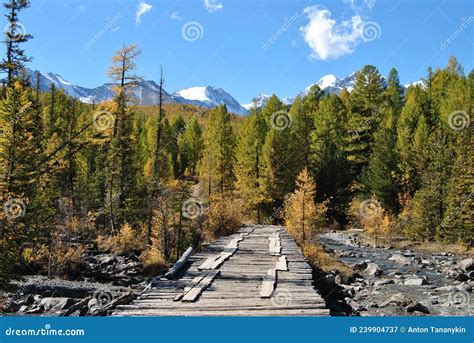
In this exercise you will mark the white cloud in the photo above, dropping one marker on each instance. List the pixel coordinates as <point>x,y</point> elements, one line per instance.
<point>329,39</point>
<point>142,9</point>
<point>212,6</point>
<point>176,16</point>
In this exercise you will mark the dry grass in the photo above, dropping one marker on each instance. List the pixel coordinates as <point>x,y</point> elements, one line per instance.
<point>153,261</point>
<point>323,260</point>
<point>126,241</point>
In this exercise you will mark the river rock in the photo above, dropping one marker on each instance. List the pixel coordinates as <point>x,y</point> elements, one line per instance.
<point>360,266</point>
<point>373,269</point>
<point>56,304</point>
<point>418,308</point>
<point>415,282</point>
<point>384,282</point>
<point>457,274</point>
<point>398,299</point>
<point>467,264</point>
<point>400,259</point>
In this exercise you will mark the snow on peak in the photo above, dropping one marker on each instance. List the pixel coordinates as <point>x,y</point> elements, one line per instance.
<point>194,93</point>
<point>327,81</point>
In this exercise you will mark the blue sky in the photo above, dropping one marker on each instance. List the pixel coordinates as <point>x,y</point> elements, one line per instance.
<point>248,47</point>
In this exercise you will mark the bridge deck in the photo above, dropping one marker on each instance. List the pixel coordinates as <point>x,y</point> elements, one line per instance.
<point>249,281</point>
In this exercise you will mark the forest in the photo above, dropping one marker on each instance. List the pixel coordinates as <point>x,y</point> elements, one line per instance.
<point>154,180</point>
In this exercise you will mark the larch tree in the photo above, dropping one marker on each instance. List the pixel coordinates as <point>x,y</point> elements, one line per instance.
<point>123,78</point>
<point>303,217</point>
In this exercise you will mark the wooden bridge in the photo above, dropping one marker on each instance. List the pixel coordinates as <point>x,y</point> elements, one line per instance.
<point>259,271</point>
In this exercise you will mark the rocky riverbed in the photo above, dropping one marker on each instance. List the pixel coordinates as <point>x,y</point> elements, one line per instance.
<point>102,281</point>
<point>402,282</point>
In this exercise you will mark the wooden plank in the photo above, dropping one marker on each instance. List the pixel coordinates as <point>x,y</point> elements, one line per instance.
<point>268,284</point>
<point>281,264</point>
<point>196,291</point>
<point>179,264</point>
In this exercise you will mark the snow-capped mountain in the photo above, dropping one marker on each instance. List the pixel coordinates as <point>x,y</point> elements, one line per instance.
<point>259,101</point>
<point>146,93</point>
<point>209,97</point>
<point>329,83</point>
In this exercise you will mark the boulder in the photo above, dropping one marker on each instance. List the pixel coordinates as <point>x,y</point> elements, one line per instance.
<point>373,270</point>
<point>398,299</point>
<point>400,259</point>
<point>467,264</point>
<point>106,259</point>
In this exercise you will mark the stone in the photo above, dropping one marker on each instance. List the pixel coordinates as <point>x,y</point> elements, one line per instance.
<point>400,259</point>
<point>415,282</point>
<point>360,266</point>
<point>398,299</point>
<point>418,308</point>
<point>467,264</point>
<point>56,304</point>
<point>373,269</point>
<point>383,282</point>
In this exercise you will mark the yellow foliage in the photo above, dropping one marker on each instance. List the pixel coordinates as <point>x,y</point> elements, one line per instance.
<point>303,217</point>
<point>223,217</point>
<point>125,242</point>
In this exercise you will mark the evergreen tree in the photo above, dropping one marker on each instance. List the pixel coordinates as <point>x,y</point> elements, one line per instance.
<point>190,146</point>
<point>217,165</point>
<point>328,159</point>
<point>365,105</point>
<point>249,164</point>
<point>15,57</point>
<point>302,126</point>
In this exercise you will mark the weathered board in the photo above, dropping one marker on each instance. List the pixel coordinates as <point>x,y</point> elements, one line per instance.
<point>216,283</point>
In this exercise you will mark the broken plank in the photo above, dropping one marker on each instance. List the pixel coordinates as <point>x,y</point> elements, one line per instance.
<point>201,286</point>
<point>268,284</point>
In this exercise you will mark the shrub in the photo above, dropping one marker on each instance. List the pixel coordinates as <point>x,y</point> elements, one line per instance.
<point>127,240</point>
<point>223,217</point>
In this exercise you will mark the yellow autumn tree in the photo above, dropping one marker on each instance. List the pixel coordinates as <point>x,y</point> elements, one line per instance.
<point>303,217</point>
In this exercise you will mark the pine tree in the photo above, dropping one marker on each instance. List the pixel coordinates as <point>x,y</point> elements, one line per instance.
<point>380,176</point>
<point>217,165</point>
<point>302,126</point>
<point>190,146</point>
<point>249,164</point>
<point>303,217</point>
<point>365,103</point>
<point>328,159</point>
<point>15,57</point>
